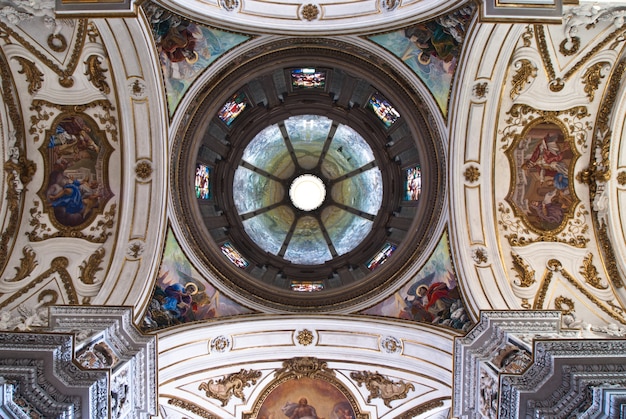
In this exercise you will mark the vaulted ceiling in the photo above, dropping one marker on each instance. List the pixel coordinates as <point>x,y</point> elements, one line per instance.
<point>149,153</point>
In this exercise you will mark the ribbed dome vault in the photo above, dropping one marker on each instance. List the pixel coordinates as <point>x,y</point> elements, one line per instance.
<point>318,116</point>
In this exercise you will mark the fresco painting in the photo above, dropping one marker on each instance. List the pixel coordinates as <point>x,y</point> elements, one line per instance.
<point>185,49</point>
<point>432,296</point>
<point>306,398</point>
<point>180,294</point>
<point>76,155</point>
<point>541,191</point>
<point>431,49</point>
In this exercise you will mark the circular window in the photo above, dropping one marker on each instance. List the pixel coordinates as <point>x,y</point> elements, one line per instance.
<point>308,156</point>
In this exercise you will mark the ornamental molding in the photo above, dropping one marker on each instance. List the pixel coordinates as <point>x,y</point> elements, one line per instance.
<point>381,387</point>
<point>533,393</point>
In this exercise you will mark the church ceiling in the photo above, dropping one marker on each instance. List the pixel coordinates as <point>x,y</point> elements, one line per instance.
<point>514,129</point>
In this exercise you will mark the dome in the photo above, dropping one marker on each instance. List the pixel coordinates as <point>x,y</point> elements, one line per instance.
<point>306,180</point>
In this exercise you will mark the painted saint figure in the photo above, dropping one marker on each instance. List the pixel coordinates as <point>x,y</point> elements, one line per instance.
<point>301,410</point>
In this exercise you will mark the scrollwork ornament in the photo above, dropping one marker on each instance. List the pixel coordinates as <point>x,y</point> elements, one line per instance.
<point>28,262</point>
<point>523,77</point>
<point>91,266</point>
<point>220,344</point>
<point>303,367</point>
<point>391,345</point>
<point>621,178</point>
<point>382,387</point>
<point>95,74</point>
<point>34,77</point>
<point>592,78</point>
<point>231,385</point>
<point>525,275</point>
<point>196,410</point>
<point>590,273</point>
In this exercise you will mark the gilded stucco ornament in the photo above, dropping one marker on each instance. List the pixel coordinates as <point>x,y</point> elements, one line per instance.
<point>304,337</point>
<point>220,344</point>
<point>303,367</point>
<point>480,90</point>
<point>28,262</point>
<point>471,174</point>
<point>389,5</point>
<point>191,407</point>
<point>95,74</point>
<point>555,267</point>
<point>229,5</point>
<point>480,255</point>
<point>143,170</point>
<point>382,387</point>
<point>523,77</point>
<point>593,77</point>
<point>524,274</point>
<point>34,77</point>
<point>91,266</point>
<point>310,12</point>
<point>230,385</point>
<point>391,345</point>
<point>565,304</point>
<point>135,249</point>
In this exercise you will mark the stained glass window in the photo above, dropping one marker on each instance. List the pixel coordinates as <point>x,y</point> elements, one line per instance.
<point>381,257</point>
<point>308,78</point>
<point>413,185</point>
<point>233,107</point>
<point>307,286</point>
<point>383,109</point>
<point>203,181</point>
<point>233,255</point>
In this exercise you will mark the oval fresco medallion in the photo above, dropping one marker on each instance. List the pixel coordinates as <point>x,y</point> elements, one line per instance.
<point>76,188</point>
<point>542,162</point>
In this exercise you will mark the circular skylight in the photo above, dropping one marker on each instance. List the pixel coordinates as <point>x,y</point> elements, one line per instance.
<point>302,155</point>
<point>307,192</point>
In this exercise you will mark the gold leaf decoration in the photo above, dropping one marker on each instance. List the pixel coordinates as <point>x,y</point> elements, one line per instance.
<point>305,337</point>
<point>590,273</point>
<point>523,272</point>
<point>310,12</point>
<point>525,72</point>
<point>231,385</point>
<point>34,77</point>
<point>28,263</point>
<point>91,266</point>
<point>95,74</point>
<point>193,408</point>
<point>561,301</point>
<point>58,266</point>
<point>592,78</point>
<point>472,174</point>
<point>382,387</point>
<point>303,367</point>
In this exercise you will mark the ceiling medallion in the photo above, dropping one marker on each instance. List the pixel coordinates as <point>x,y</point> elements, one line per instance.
<point>310,12</point>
